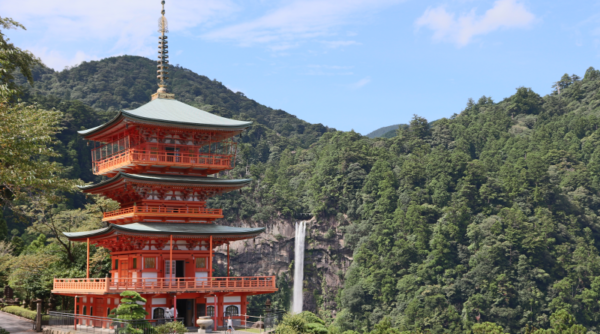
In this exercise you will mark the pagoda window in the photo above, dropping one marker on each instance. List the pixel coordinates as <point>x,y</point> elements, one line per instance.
<point>108,311</point>
<point>200,263</point>
<point>84,310</point>
<point>91,310</point>
<point>116,264</point>
<point>149,263</point>
<point>168,268</point>
<point>210,311</point>
<point>111,148</point>
<point>134,263</point>
<point>231,311</point>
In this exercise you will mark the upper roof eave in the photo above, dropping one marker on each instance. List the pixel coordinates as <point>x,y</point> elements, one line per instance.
<point>175,179</point>
<point>169,228</point>
<point>172,112</point>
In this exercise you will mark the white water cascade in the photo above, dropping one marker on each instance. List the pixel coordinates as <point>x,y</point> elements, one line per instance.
<point>299,267</point>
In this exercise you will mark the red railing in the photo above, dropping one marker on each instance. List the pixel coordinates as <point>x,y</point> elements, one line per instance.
<point>163,211</point>
<point>209,284</point>
<point>165,155</point>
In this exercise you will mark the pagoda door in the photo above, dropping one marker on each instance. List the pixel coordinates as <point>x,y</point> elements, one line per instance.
<point>100,311</point>
<point>124,272</point>
<point>168,277</point>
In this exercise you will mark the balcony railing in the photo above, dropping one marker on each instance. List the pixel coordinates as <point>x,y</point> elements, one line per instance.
<point>163,211</point>
<point>263,284</point>
<point>167,156</point>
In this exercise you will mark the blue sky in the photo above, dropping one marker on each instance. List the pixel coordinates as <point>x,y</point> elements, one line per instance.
<point>349,64</point>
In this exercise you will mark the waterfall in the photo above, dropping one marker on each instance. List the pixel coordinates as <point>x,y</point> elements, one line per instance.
<point>299,267</point>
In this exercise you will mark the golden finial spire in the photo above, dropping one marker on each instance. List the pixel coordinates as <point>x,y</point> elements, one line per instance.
<point>163,57</point>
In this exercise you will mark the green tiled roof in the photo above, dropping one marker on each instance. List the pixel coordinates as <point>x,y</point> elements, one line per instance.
<point>172,228</point>
<point>173,179</point>
<point>173,112</point>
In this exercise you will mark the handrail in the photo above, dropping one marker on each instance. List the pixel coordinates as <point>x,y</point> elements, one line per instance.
<point>159,210</point>
<point>248,283</point>
<point>158,155</point>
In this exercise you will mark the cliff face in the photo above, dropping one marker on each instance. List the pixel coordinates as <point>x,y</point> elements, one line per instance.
<point>272,253</point>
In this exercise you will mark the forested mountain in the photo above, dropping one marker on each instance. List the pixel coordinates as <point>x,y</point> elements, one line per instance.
<point>382,131</point>
<point>126,82</point>
<point>491,215</point>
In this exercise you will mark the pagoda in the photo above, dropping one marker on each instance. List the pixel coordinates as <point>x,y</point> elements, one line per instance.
<point>159,163</point>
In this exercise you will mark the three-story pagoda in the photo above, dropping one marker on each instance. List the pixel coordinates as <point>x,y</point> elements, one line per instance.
<point>160,160</point>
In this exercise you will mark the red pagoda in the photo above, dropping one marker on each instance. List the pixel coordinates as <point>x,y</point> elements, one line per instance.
<point>160,160</point>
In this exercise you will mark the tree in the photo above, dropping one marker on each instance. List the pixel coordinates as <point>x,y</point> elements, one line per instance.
<point>52,220</point>
<point>129,309</point>
<point>13,59</point>
<point>27,134</point>
<point>3,227</point>
<point>487,328</point>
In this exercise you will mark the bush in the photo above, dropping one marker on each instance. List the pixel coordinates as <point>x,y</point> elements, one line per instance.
<point>171,327</point>
<point>4,331</point>
<point>23,312</point>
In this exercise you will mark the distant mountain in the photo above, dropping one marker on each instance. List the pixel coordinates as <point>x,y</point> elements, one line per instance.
<point>383,132</point>
<point>126,82</point>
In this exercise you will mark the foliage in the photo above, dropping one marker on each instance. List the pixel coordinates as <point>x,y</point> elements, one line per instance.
<point>127,82</point>
<point>171,327</point>
<point>305,322</point>
<point>487,328</point>
<point>23,312</point>
<point>26,137</point>
<point>4,331</point>
<point>13,59</point>
<point>128,308</point>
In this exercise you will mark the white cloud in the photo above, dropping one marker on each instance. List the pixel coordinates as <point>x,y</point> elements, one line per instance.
<point>298,20</point>
<point>126,26</point>
<point>361,83</point>
<point>339,44</point>
<point>446,27</point>
<point>56,60</point>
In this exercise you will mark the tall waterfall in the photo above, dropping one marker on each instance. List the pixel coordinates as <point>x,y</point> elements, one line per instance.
<point>299,267</point>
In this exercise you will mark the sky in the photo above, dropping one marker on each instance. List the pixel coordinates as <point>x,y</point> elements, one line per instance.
<point>348,64</point>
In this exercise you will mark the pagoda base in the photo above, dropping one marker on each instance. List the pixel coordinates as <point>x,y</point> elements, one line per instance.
<point>186,306</point>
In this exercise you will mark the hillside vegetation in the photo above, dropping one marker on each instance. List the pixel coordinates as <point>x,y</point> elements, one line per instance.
<point>381,132</point>
<point>490,215</point>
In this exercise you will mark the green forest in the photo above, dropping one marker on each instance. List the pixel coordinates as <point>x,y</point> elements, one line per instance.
<point>482,222</point>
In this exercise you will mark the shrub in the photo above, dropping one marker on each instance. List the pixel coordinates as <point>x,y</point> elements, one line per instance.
<point>4,331</point>
<point>171,327</point>
<point>22,312</point>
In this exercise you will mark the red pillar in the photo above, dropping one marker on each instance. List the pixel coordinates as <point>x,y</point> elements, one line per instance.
<point>87,268</point>
<point>171,261</point>
<point>243,310</point>
<point>174,307</point>
<point>216,311</point>
<point>75,314</point>
<point>221,310</point>
<point>210,258</point>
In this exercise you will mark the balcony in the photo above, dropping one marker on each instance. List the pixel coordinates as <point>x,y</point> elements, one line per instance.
<point>161,213</point>
<point>165,158</point>
<point>100,286</point>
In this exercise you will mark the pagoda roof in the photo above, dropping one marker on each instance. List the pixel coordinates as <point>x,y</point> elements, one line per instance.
<point>171,179</point>
<point>167,229</point>
<point>172,112</point>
